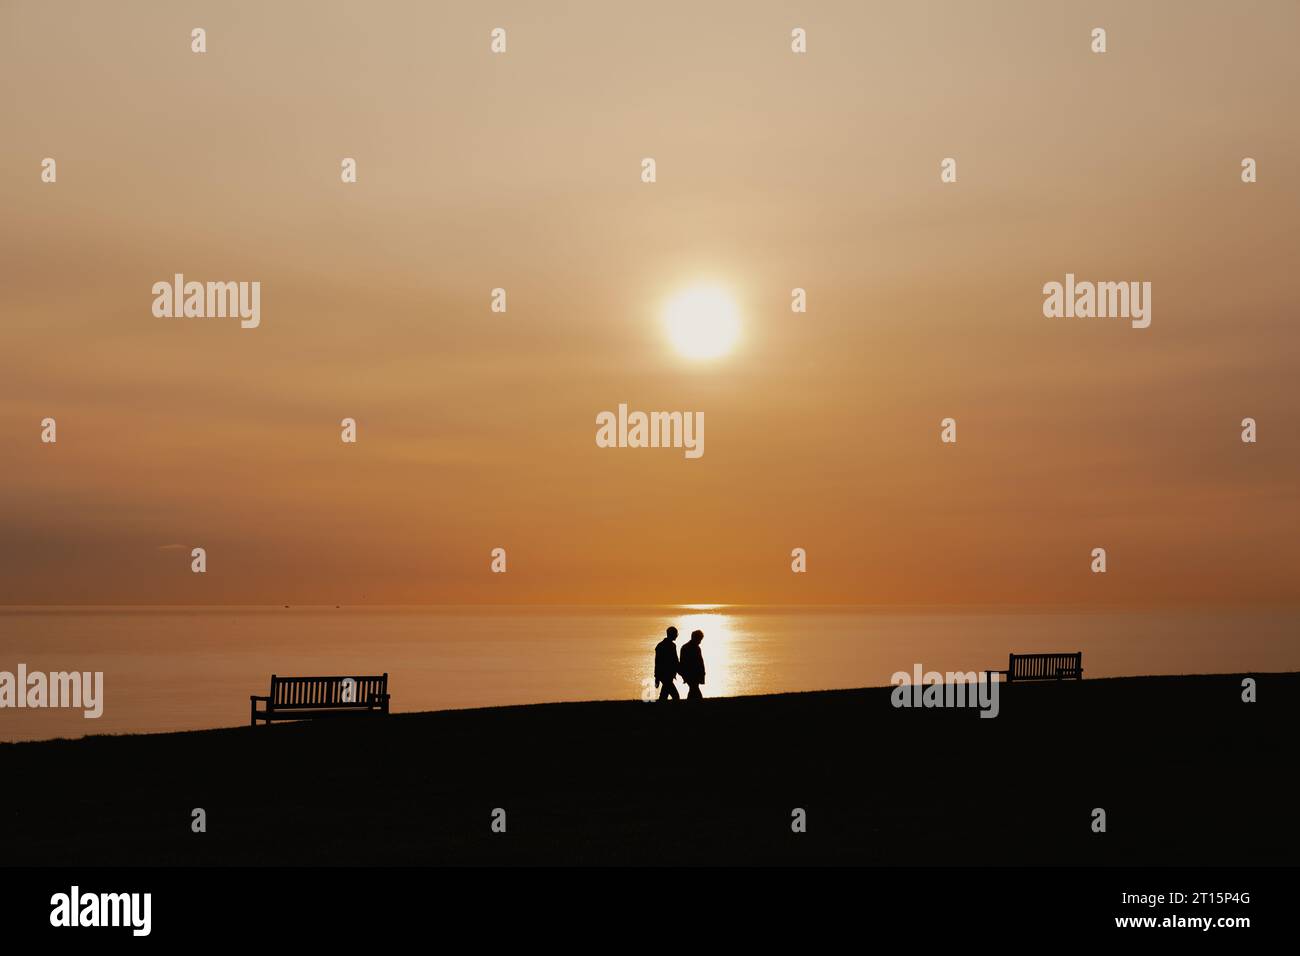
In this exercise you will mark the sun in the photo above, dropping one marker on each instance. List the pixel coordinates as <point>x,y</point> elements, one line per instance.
<point>702,321</point>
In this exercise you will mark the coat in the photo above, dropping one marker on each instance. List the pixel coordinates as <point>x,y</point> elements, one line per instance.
<point>691,666</point>
<point>665,661</point>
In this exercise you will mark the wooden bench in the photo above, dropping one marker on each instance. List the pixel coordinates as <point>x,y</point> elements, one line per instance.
<point>1024,667</point>
<point>306,698</point>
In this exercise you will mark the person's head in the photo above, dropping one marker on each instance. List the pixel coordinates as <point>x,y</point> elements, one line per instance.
<point>672,633</point>
<point>697,637</point>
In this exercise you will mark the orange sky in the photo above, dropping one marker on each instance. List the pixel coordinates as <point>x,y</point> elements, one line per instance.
<point>774,171</point>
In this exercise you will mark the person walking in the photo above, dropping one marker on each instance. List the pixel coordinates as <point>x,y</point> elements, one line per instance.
<point>691,666</point>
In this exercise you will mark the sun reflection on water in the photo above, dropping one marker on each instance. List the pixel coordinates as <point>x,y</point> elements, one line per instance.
<point>726,669</point>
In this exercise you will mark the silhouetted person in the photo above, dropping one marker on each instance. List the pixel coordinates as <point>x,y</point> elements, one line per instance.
<point>691,666</point>
<point>666,666</point>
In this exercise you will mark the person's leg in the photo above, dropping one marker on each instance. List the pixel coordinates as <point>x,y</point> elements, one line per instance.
<point>694,693</point>
<point>667,691</point>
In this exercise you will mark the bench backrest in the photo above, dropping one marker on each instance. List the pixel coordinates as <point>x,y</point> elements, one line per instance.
<point>1045,666</point>
<point>290,692</point>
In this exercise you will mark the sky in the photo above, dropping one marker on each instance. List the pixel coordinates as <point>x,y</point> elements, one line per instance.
<point>522,171</point>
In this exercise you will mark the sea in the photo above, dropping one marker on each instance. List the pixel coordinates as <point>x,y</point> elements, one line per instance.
<point>169,668</point>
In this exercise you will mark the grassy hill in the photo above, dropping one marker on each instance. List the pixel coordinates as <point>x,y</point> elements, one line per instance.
<point>1187,774</point>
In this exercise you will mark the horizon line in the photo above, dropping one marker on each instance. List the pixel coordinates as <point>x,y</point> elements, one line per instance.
<point>1290,604</point>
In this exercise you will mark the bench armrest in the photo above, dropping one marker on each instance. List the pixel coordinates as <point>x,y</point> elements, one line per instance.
<point>255,697</point>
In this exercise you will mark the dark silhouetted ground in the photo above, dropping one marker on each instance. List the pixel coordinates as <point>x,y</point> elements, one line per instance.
<point>1187,774</point>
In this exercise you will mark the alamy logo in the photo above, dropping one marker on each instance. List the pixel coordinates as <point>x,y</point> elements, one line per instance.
<point>651,430</point>
<point>36,689</point>
<point>211,300</point>
<point>1087,300</point>
<point>953,689</point>
<point>103,909</point>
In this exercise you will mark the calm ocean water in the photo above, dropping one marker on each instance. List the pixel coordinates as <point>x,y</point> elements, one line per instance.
<point>182,669</point>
